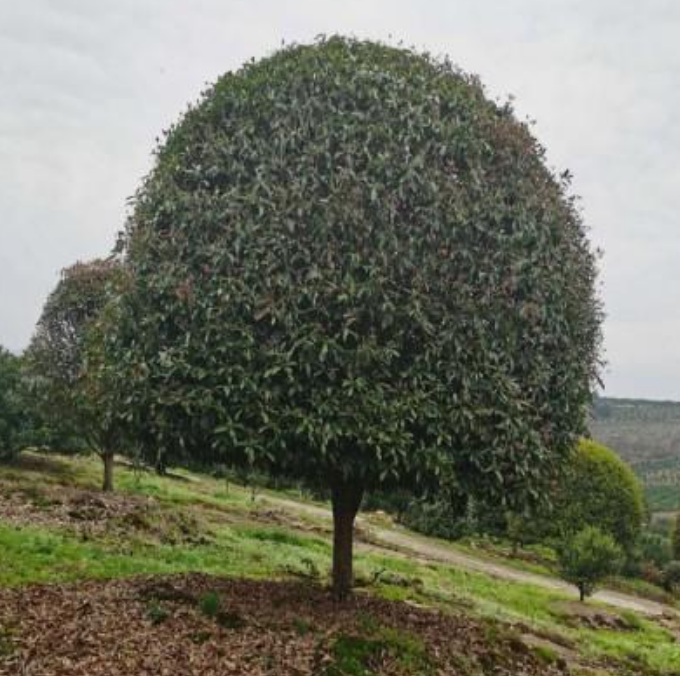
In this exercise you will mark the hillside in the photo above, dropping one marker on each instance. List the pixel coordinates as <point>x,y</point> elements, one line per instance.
<point>228,580</point>
<point>647,435</point>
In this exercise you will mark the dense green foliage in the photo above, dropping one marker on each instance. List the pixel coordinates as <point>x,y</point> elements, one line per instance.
<point>596,488</point>
<point>12,414</point>
<point>350,266</point>
<point>66,361</point>
<point>587,557</point>
<point>599,489</point>
<point>655,548</point>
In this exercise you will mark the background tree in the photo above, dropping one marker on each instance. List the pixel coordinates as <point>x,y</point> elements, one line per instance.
<point>12,413</point>
<point>57,357</point>
<point>599,489</point>
<point>351,267</point>
<point>587,558</point>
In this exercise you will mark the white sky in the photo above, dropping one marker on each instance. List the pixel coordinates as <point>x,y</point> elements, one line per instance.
<point>86,86</point>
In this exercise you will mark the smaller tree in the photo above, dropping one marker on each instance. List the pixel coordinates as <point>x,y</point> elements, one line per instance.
<point>598,489</point>
<point>587,558</point>
<point>65,356</point>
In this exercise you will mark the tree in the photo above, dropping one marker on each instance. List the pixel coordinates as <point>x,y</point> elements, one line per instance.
<point>587,558</point>
<point>12,414</point>
<point>350,267</point>
<point>57,356</point>
<point>675,538</point>
<point>599,489</point>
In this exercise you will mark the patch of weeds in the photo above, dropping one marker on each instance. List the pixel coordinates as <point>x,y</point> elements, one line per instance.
<point>364,655</point>
<point>165,591</point>
<point>209,604</point>
<point>280,537</point>
<point>229,619</point>
<point>311,567</point>
<point>395,593</point>
<point>200,637</point>
<point>639,663</point>
<point>545,654</point>
<point>307,569</point>
<point>633,621</point>
<point>394,579</point>
<point>302,627</point>
<point>367,623</point>
<point>6,641</point>
<point>466,665</point>
<point>38,498</point>
<point>354,656</point>
<point>492,632</point>
<point>156,612</point>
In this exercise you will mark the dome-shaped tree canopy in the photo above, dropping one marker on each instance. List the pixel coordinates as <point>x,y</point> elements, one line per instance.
<point>350,265</point>
<point>599,489</point>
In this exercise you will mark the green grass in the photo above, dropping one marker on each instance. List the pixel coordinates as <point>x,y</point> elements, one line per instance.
<point>648,647</point>
<point>35,555</point>
<point>354,655</point>
<point>240,544</point>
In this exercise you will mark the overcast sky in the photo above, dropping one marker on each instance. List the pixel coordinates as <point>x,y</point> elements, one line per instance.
<point>87,86</point>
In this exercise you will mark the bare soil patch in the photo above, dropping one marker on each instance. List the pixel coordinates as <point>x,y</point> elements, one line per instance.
<point>199,624</point>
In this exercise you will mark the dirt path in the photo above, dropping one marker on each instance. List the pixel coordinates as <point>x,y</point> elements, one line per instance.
<point>424,548</point>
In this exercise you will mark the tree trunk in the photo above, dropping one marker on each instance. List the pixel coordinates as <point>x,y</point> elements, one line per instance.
<point>107,457</point>
<point>581,593</point>
<point>346,499</point>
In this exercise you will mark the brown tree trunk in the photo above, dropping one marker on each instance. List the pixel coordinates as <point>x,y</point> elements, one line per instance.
<point>107,457</point>
<point>346,499</point>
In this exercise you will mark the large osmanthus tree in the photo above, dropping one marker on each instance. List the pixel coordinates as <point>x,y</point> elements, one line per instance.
<point>66,358</point>
<point>350,266</point>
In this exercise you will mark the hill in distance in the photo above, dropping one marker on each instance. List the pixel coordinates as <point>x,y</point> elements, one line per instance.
<point>646,434</point>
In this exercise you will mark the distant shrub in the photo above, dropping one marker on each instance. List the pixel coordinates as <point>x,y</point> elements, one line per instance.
<point>156,612</point>
<point>651,573</point>
<point>671,576</point>
<point>396,502</point>
<point>447,513</point>
<point>656,548</point>
<point>587,558</point>
<point>675,538</point>
<point>441,516</point>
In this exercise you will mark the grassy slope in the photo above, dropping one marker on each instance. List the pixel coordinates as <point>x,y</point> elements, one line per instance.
<point>239,536</point>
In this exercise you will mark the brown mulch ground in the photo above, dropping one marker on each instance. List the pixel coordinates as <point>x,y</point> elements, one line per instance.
<point>154,626</point>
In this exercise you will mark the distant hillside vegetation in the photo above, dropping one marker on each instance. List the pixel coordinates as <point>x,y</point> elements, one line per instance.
<point>647,435</point>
